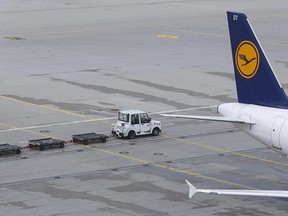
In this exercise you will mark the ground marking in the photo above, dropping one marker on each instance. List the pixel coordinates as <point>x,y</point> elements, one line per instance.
<point>137,159</point>
<point>100,120</point>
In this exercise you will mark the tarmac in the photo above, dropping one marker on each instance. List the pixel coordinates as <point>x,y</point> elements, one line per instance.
<point>68,67</point>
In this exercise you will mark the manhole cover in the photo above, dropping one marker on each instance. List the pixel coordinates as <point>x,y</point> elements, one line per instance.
<point>123,152</point>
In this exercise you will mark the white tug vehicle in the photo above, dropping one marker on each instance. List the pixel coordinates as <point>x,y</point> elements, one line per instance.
<point>132,123</point>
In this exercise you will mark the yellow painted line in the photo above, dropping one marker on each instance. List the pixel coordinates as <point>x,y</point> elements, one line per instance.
<point>209,34</point>
<point>223,36</point>
<point>201,145</point>
<point>282,170</point>
<point>228,151</point>
<point>136,159</point>
<point>28,131</point>
<point>168,168</point>
<point>54,109</point>
<point>204,177</point>
<point>73,114</point>
<point>167,36</point>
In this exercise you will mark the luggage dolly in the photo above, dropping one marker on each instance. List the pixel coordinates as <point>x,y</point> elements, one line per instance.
<point>89,138</point>
<point>42,144</point>
<point>5,148</point>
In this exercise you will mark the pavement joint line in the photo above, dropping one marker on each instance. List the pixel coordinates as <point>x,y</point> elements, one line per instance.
<point>136,159</point>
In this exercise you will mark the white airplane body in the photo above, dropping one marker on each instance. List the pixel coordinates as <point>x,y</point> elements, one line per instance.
<point>262,108</point>
<point>269,125</point>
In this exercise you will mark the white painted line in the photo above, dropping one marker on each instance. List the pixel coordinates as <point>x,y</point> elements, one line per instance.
<point>23,142</point>
<point>189,109</point>
<point>51,125</point>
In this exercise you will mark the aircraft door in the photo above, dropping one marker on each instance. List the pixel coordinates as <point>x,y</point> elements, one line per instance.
<point>276,129</point>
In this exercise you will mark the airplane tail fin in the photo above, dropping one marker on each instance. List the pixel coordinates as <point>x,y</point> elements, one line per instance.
<point>255,80</point>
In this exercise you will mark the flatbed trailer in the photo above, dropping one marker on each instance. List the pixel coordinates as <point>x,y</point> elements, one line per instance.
<point>42,144</point>
<point>89,138</point>
<point>6,148</point>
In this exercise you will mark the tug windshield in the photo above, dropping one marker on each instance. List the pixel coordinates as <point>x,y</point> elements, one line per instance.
<point>123,117</point>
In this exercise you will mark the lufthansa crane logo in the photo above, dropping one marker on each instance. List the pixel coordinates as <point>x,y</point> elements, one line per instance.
<point>247,59</point>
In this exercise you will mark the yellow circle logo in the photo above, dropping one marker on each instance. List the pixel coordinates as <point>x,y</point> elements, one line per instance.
<point>247,59</point>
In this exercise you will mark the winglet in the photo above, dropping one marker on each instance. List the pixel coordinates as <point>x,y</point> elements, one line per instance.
<point>192,189</point>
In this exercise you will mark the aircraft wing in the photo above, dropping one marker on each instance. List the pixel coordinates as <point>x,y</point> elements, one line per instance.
<point>264,193</point>
<point>213,118</point>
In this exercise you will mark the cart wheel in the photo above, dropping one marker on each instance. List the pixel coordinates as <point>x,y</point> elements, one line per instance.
<point>18,151</point>
<point>61,145</point>
<point>42,148</point>
<point>103,140</point>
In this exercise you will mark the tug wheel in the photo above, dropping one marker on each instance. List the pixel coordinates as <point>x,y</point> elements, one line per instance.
<point>131,135</point>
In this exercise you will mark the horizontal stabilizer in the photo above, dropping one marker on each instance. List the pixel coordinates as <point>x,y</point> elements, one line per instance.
<point>263,193</point>
<point>212,118</point>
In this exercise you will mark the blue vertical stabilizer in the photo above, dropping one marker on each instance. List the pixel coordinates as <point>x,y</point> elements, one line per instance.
<point>255,80</point>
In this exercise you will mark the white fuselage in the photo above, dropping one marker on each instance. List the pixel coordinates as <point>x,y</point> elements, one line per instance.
<point>271,125</point>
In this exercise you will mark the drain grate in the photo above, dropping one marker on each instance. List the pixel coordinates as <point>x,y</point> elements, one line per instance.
<point>158,154</point>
